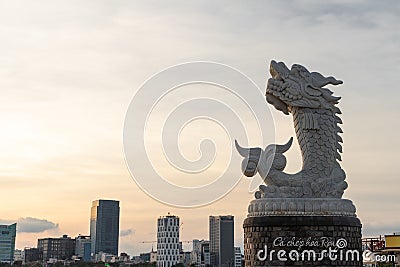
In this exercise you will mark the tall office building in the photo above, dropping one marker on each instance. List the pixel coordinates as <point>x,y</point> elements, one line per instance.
<point>221,241</point>
<point>7,242</point>
<point>104,226</point>
<point>167,241</point>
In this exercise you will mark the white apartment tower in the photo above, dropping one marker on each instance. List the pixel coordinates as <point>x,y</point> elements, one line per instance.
<point>167,241</point>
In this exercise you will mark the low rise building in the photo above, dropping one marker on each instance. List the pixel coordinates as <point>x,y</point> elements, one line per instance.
<point>184,258</point>
<point>238,257</point>
<point>124,257</point>
<point>31,255</point>
<point>18,255</point>
<point>137,260</point>
<point>150,257</point>
<point>61,248</point>
<point>200,256</point>
<point>83,248</point>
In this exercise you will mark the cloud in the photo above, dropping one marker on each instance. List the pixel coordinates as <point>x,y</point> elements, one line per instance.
<point>127,232</point>
<point>370,230</point>
<point>34,225</point>
<point>31,225</point>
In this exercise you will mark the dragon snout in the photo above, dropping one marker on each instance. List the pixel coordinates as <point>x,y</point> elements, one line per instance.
<point>277,80</point>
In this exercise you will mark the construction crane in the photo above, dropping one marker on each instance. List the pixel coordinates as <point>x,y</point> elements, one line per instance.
<point>185,241</point>
<point>155,242</point>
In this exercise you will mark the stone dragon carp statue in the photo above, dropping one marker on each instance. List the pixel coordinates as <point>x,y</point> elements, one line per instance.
<point>301,93</point>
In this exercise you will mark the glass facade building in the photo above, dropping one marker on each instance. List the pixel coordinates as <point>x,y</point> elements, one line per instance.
<point>104,226</point>
<point>222,241</point>
<point>7,242</point>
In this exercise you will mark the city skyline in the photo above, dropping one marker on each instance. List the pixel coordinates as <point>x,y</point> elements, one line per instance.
<point>221,236</point>
<point>65,248</point>
<point>69,70</point>
<point>104,207</point>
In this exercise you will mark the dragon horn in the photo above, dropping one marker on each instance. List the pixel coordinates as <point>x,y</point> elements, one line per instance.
<point>283,148</point>
<point>319,80</point>
<point>244,152</point>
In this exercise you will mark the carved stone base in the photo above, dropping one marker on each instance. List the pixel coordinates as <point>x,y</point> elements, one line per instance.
<point>302,234</point>
<point>301,206</point>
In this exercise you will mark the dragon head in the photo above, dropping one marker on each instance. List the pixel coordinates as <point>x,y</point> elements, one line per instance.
<point>298,87</point>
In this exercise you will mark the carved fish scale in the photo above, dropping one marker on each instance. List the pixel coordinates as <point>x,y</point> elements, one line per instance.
<point>316,131</point>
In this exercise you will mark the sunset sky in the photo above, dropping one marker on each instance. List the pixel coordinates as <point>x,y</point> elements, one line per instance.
<point>68,70</point>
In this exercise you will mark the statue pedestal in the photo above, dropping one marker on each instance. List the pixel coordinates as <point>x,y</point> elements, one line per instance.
<point>273,238</point>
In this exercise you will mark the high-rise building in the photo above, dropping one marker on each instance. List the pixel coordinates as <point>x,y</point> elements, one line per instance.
<point>83,247</point>
<point>7,242</point>
<point>167,241</point>
<point>61,248</point>
<point>104,226</point>
<point>222,241</point>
